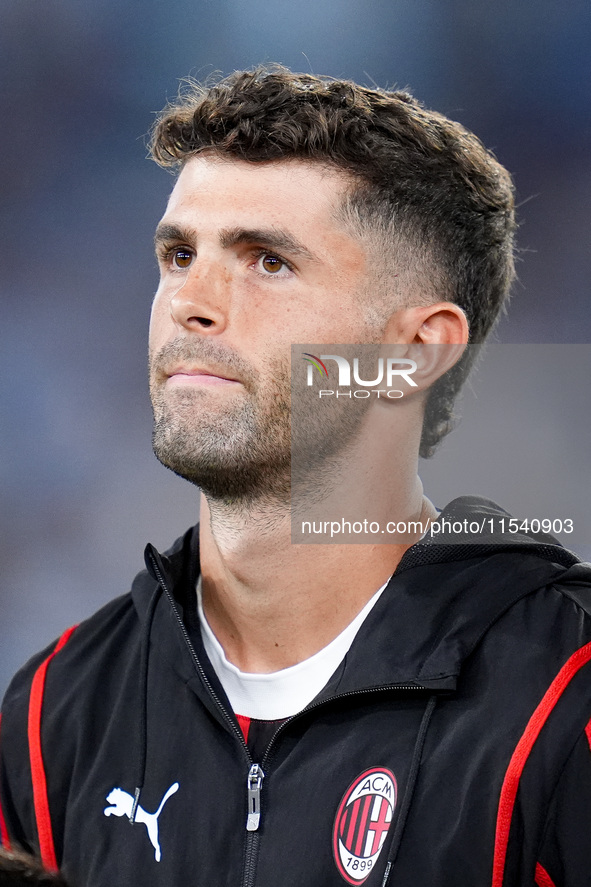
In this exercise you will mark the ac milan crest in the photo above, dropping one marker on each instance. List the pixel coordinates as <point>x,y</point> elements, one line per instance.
<point>362,823</point>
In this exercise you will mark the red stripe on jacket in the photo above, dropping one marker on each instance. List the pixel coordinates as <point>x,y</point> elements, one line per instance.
<point>543,879</point>
<point>42,815</point>
<point>4,839</point>
<point>521,754</point>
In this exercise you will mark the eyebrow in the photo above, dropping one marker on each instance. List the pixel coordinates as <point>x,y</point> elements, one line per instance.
<point>270,238</point>
<point>172,233</point>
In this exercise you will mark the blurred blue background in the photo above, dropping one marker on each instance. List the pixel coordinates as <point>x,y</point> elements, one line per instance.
<point>80,83</point>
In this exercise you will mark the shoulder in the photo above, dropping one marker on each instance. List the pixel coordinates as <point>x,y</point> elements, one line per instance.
<point>560,612</point>
<point>553,620</point>
<point>539,650</point>
<point>79,653</point>
<point>100,649</point>
<point>575,585</point>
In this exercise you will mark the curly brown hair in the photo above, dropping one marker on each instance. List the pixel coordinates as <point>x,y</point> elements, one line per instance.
<point>436,198</point>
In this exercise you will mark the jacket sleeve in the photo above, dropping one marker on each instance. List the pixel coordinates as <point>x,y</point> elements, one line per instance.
<point>17,818</point>
<point>564,859</point>
<point>14,782</point>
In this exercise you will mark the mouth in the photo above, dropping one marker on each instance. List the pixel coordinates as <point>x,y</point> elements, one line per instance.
<point>198,376</point>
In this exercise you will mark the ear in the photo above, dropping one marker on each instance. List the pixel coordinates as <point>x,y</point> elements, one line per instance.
<point>435,337</point>
<point>441,323</point>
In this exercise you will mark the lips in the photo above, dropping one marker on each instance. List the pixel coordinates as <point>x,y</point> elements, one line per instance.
<point>198,376</point>
<point>199,363</point>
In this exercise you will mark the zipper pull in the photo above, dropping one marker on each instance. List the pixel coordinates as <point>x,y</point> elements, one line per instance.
<point>253,784</point>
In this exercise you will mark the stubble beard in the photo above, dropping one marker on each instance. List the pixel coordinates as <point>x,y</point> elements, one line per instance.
<point>240,452</point>
<point>236,452</point>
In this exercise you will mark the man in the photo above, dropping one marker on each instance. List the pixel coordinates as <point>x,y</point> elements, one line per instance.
<point>266,713</point>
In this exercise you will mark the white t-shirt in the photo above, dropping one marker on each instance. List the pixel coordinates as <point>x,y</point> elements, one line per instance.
<point>280,694</point>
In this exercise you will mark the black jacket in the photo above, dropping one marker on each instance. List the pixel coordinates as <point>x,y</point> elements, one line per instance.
<point>449,748</point>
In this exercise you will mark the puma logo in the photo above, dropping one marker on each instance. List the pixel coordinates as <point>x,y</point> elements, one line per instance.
<point>122,805</point>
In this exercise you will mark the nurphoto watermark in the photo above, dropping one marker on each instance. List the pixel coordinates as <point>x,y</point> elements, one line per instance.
<point>360,412</point>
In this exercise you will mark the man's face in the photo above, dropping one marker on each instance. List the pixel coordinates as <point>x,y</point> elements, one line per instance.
<point>252,259</point>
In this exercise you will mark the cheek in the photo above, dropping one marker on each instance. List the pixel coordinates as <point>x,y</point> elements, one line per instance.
<point>160,321</point>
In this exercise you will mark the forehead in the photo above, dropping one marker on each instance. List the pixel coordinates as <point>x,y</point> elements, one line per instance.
<point>287,192</point>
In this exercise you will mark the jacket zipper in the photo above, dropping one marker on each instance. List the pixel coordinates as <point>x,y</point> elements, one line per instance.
<point>253,785</point>
<point>234,727</point>
<point>256,773</point>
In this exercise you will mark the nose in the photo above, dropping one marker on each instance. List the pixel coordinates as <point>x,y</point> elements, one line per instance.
<point>201,302</point>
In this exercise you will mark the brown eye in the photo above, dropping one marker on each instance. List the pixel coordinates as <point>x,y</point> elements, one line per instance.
<point>182,258</point>
<point>271,264</point>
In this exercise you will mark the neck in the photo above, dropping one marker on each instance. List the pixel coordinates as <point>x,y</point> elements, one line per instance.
<point>272,603</point>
